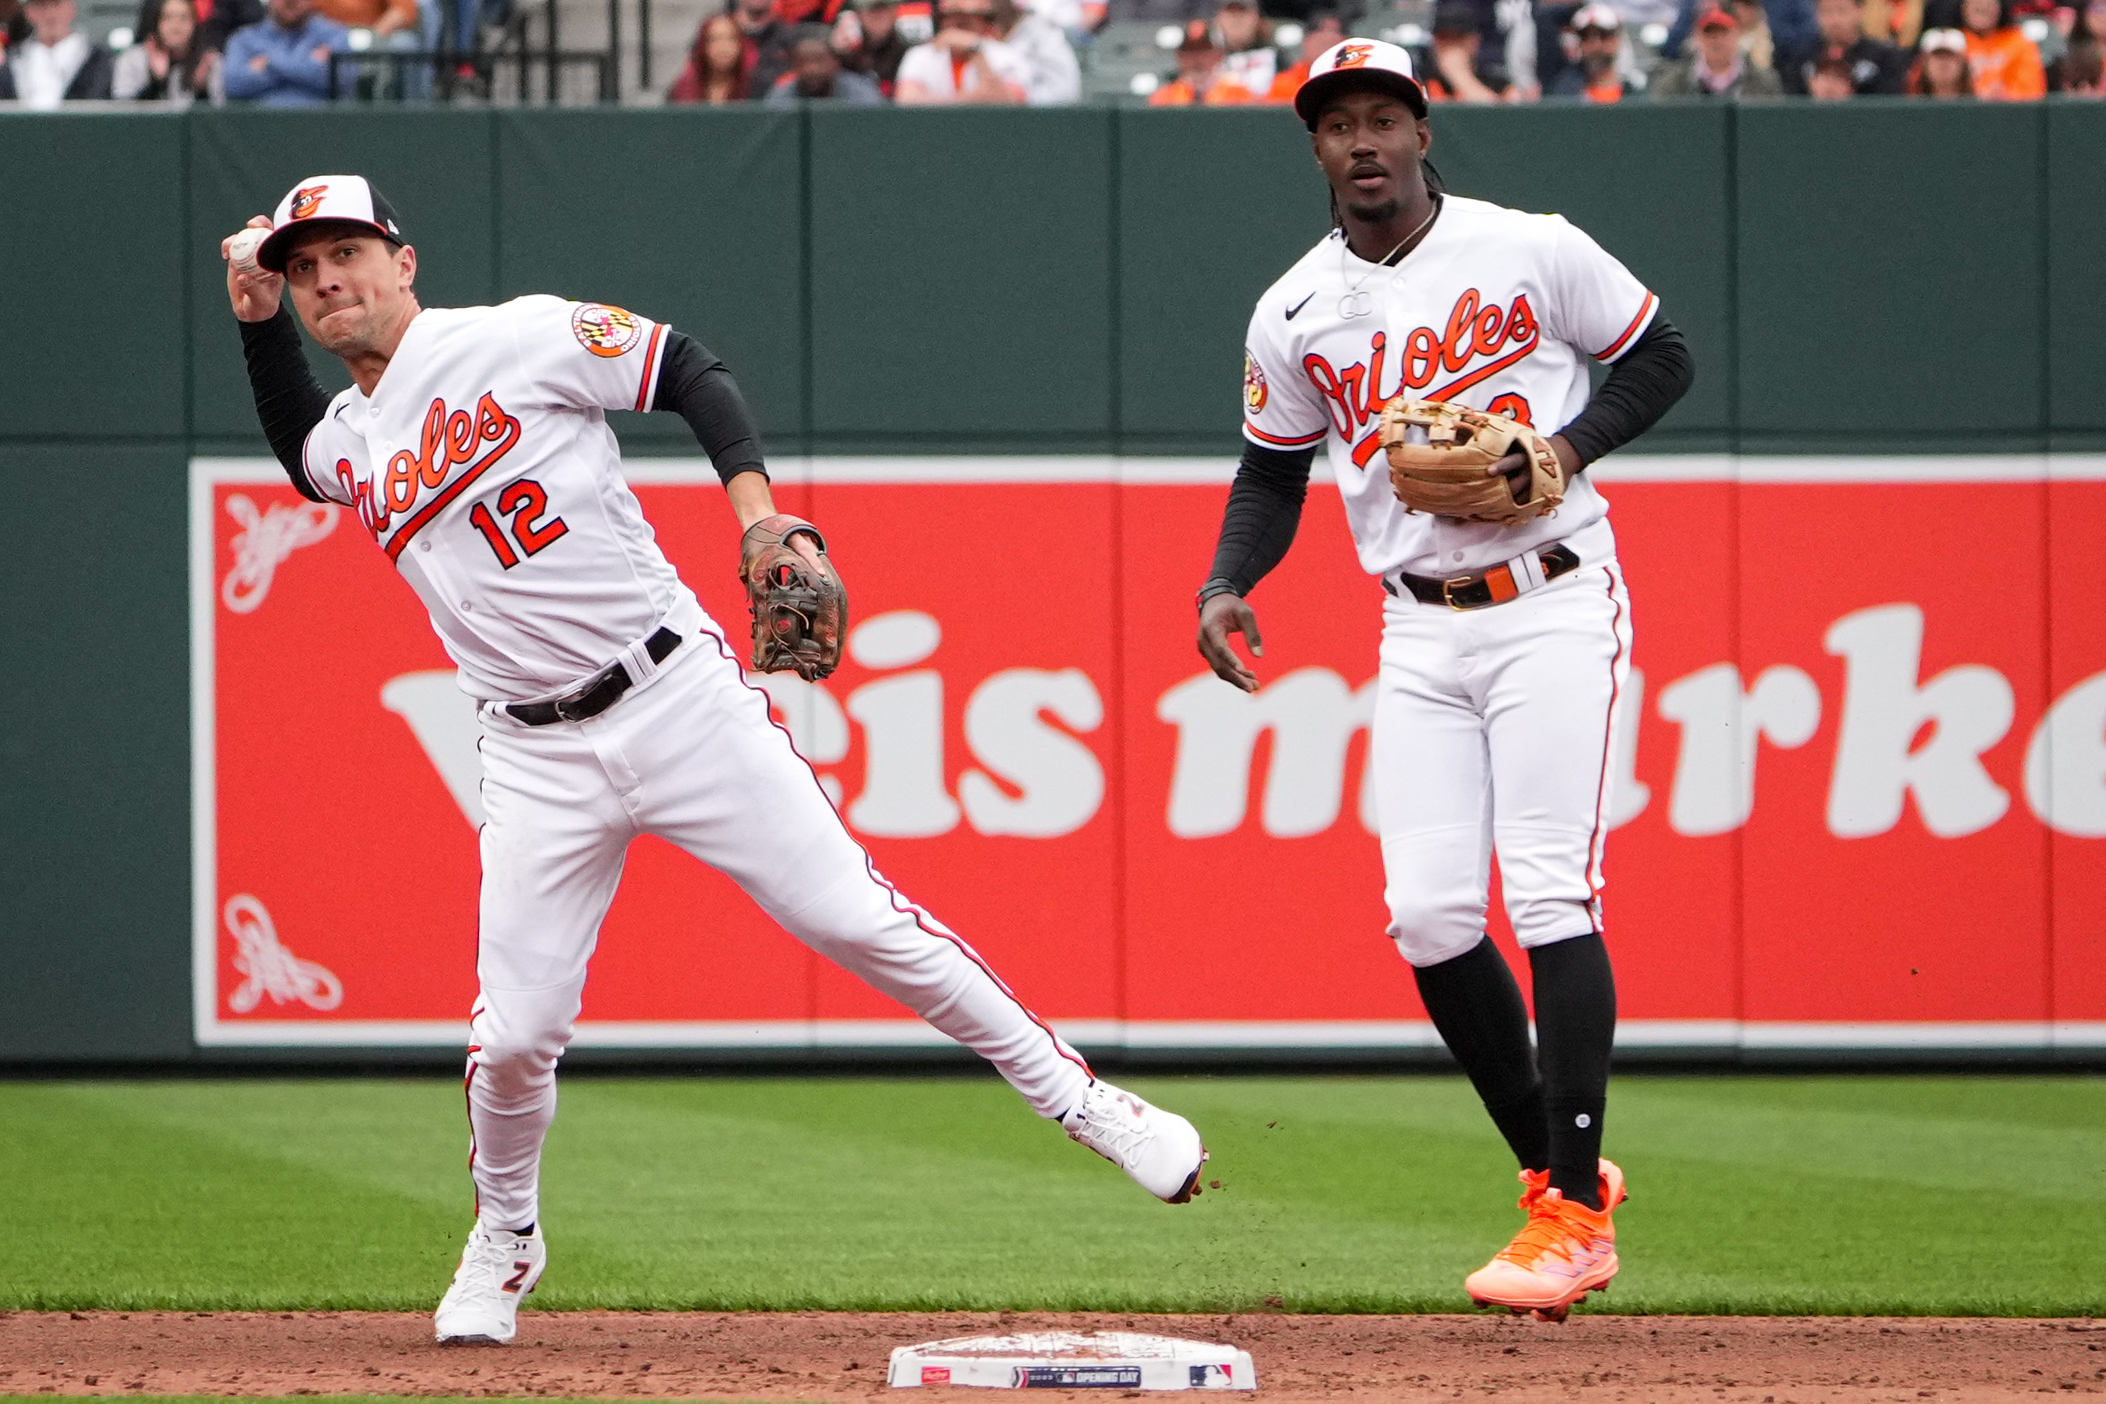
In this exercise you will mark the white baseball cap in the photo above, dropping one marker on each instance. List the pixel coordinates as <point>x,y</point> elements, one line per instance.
<point>1594,16</point>
<point>335,199</point>
<point>1951,41</point>
<point>1356,61</point>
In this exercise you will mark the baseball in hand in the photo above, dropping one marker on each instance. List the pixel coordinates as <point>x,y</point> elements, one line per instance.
<point>241,249</point>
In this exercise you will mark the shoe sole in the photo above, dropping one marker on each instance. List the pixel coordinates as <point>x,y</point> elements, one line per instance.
<point>474,1340</point>
<point>1191,1190</point>
<point>1554,1310</point>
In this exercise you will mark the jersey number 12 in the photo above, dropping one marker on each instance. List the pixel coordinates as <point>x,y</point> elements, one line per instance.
<point>526,501</point>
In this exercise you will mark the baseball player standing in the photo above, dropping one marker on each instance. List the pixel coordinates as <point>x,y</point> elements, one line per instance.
<point>474,448</point>
<point>1506,630</point>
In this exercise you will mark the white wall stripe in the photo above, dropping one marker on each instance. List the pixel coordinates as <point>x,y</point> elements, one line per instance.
<point>1199,1036</point>
<point>940,470</point>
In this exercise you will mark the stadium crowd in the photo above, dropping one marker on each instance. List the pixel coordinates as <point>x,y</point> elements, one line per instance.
<point>1179,52</point>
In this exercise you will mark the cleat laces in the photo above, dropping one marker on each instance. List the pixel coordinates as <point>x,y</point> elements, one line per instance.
<point>485,1263</point>
<point>1550,1230</point>
<point>1104,1129</point>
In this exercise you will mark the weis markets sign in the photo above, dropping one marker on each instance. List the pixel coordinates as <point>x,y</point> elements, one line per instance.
<point>1851,780</point>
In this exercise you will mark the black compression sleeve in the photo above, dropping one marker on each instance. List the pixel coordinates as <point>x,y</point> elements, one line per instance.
<point>695,385</point>
<point>1264,508</point>
<point>1643,385</point>
<point>288,401</point>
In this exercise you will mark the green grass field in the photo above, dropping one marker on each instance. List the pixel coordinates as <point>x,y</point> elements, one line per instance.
<point>1749,1194</point>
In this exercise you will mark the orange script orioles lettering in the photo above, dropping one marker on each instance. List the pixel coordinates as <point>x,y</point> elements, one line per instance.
<point>1355,395</point>
<point>448,441</point>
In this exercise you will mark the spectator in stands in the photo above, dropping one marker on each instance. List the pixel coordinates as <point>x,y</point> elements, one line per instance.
<point>1756,40</point>
<point>816,75</point>
<point>768,41</point>
<point>2007,67</point>
<point>719,66</point>
<point>1873,67</point>
<point>1247,54</point>
<point>1596,36</point>
<point>56,64</point>
<point>1942,70</point>
<point>216,20</point>
<point>1324,29</point>
<point>1053,75</point>
<point>2078,71</point>
<point>1788,23</point>
<point>395,23</point>
<point>14,25</point>
<point>964,63</point>
<point>1075,18</point>
<point>868,40</point>
<point>1897,22</point>
<point>401,26</point>
<point>283,59</point>
<point>1460,69</point>
<point>1200,79</point>
<point>1715,67</point>
<point>167,65</point>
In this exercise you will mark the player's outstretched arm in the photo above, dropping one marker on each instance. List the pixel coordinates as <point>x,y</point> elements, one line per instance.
<point>289,402</point>
<point>698,387</point>
<point>1264,510</point>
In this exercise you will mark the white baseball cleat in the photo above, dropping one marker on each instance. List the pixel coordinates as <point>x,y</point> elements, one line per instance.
<point>498,1268</point>
<point>1161,1150</point>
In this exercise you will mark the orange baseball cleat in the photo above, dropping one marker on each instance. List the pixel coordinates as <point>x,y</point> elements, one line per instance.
<point>1566,1250</point>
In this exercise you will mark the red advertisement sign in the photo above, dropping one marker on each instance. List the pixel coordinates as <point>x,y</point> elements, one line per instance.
<point>1863,803</point>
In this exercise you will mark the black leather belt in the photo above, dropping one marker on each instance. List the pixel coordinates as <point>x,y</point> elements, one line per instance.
<point>599,694</point>
<point>1495,586</point>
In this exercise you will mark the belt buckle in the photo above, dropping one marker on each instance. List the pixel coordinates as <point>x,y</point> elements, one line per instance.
<point>568,708</point>
<point>1448,591</point>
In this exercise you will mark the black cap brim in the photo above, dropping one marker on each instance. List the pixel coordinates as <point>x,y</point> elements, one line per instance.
<point>274,250</point>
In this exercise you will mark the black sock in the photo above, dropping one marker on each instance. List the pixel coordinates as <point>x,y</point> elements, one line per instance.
<point>1575,1029</point>
<point>1475,1004</point>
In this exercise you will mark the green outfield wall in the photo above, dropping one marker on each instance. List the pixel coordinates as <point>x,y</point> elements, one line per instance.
<point>1866,278</point>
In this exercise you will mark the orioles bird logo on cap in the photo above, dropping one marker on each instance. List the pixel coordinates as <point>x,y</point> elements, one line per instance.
<point>1354,55</point>
<point>307,199</point>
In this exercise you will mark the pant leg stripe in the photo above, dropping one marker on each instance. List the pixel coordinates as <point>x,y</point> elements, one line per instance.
<point>899,901</point>
<point>1596,841</point>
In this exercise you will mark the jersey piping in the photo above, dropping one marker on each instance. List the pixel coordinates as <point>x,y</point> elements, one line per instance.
<point>1630,333</point>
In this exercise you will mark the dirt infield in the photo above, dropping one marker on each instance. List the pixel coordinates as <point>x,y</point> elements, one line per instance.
<point>839,1356</point>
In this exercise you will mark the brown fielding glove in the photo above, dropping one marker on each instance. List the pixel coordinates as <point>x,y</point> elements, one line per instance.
<point>799,613</point>
<point>1447,475</point>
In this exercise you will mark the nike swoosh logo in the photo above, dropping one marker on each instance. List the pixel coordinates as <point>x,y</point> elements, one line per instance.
<point>1298,307</point>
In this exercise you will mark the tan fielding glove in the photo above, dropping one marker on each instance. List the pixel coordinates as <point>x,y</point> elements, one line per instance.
<point>1448,475</point>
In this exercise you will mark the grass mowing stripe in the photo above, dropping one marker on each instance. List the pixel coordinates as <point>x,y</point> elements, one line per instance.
<point>109,1209</point>
<point>1905,1195</point>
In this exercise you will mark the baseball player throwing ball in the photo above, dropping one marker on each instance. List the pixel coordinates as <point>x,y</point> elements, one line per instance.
<point>473,446</point>
<point>1430,343</point>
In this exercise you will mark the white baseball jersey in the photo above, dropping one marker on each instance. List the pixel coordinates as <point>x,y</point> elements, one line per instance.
<point>1495,309</point>
<point>483,465</point>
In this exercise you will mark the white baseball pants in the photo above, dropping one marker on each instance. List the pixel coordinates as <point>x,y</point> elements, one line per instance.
<point>693,757</point>
<point>1493,731</point>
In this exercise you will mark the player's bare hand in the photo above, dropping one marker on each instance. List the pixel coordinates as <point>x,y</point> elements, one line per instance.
<point>254,292</point>
<point>1219,617</point>
<point>805,545</point>
<point>1515,466</point>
